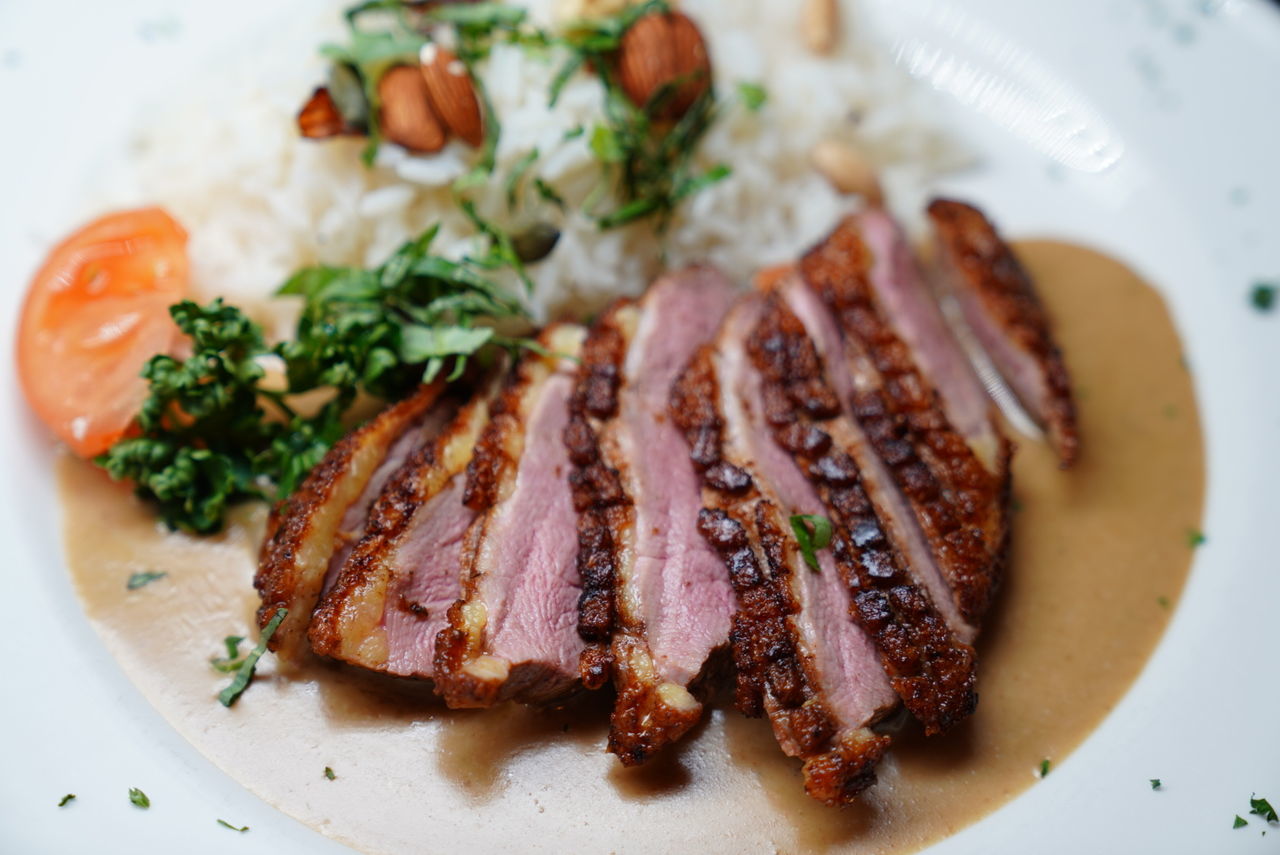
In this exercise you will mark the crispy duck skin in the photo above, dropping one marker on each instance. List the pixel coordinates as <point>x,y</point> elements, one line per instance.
<point>930,669</point>
<point>390,599</point>
<point>1000,304</point>
<point>312,531</point>
<point>968,524</point>
<point>800,659</point>
<point>513,632</point>
<point>656,600</point>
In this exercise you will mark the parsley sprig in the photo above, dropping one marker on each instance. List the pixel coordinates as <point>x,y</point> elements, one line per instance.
<point>213,431</point>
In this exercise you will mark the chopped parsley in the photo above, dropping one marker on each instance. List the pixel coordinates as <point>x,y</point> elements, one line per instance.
<point>213,432</point>
<point>1240,822</point>
<point>753,95</point>
<point>242,829</point>
<point>1044,768</point>
<point>138,798</point>
<point>328,773</point>
<point>244,673</point>
<point>67,799</point>
<point>1162,601</point>
<point>1156,784</point>
<point>1263,296</point>
<point>1262,808</point>
<point>138,580</point>
<point>1195,537</point>
<point>812,532</point>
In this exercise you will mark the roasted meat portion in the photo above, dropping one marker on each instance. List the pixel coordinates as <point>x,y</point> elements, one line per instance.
<point>513,632</point>
<point>931,670</point>
<point>956,481</point>
<point>800,658</point>
<point>656,599</point>
<point>391,597</point>
<point>311,534</point>
<point>1000,304</point>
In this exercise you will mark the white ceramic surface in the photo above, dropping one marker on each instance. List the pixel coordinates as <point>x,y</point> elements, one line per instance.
<point>1149,129</point>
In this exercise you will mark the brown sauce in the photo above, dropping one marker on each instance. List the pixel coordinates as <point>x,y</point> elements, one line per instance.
<point>1099,555</point>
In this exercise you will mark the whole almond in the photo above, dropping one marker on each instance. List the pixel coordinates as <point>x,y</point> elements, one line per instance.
<point>406,114</point>
<point>452,93</point>
<point>820,25</point>
<point>658,50</point>
<point>319,118</point>
<point>847,168</point>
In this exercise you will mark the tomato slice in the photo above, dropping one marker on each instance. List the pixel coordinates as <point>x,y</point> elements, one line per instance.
<point>94,314</point>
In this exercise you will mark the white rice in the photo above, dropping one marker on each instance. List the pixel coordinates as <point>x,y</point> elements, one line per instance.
<point>259,202</point>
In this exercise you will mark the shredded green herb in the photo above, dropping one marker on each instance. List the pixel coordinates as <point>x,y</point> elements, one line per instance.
<point>1240,822</point>
<point>812,532</point>
<point>138,580</point>
<point>328,773</point>
<point>213,431</point>
<point>1044,768</point>
<point>67,799</point>
<point>230,663</point>
<point>1263,297</point>
<point>1262,808</point>
<point>242,829</point>
<point>1162,601</point>
<point>139,799</point>
<point>1156,784</point>
<point>244,673</point>
<point>1195,538</point>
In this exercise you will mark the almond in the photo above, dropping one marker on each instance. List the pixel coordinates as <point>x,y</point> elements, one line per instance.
<point>820,25</point>
<point>452,93</point>
<point>319,118</point>
<point>847,168</point>
<point>406,115</point>
<point>659,50</point>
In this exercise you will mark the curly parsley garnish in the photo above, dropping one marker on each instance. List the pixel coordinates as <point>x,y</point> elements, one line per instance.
<point>812,532</point>
<point>212,431</point>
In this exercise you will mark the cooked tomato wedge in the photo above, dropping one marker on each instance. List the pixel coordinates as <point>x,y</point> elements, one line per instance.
<point>95,313</point>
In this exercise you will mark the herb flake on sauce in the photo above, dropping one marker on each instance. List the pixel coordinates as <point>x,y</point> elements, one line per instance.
<point>139,580</point>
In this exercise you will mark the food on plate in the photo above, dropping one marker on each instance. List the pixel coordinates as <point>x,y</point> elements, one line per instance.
<point>95,312</point>
<point>1000,304</point>
<point>501,467</point>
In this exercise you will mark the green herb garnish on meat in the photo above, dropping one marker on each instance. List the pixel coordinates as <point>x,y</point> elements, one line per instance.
<point>812,532</point>
<point>213,431</point>
<point>244,674</point>
<point>139,799</point>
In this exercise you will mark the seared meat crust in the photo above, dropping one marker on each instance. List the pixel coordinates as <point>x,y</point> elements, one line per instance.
<point>929,668</point>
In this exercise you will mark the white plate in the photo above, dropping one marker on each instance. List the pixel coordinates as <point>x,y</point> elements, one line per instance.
<point>1148,129</point>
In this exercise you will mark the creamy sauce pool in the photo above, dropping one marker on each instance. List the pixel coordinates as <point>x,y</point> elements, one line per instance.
<point>1099,554</point>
